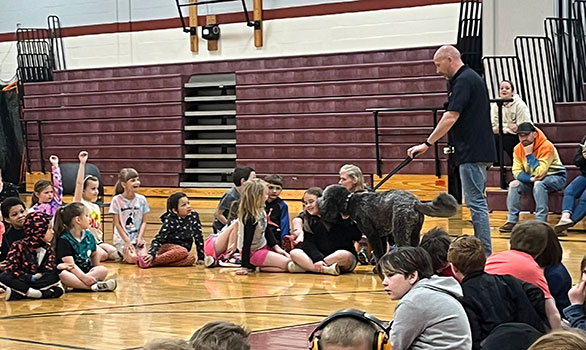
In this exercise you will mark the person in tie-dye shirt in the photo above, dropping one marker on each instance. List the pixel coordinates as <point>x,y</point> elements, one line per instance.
<point>47,196</point>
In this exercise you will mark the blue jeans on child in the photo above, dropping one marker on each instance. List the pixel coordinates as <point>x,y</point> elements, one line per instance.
<point>575,190</point>
<point>540,189</point>
<point>473,176</point>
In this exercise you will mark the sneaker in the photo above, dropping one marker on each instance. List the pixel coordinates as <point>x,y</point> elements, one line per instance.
<point>53,292</point>
<point>372,259</point>
<point>563,225</point>
<point>230,262</point>
<point>104,286</point>
<point>209,261</point>
<point>294,268</point>
<point>507,227</point>
<point>333,269</point>
<point>9,294</point>
<point>362,256</point>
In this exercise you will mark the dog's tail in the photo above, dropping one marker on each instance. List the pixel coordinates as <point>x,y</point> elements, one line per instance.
<point>443,206</point>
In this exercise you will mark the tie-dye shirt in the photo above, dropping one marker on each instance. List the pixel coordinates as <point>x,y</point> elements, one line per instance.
<point>54,205</point>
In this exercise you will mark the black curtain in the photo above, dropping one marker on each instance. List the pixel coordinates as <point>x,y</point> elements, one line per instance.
<point>11,137</point>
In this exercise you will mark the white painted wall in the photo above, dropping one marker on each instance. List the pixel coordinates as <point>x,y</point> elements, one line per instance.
<point>503,20</point>
<point>360,31</point>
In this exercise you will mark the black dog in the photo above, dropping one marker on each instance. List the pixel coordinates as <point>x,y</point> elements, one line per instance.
<point>395,212</point>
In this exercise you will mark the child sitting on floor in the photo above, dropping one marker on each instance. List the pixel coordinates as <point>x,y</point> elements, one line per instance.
<point>14,212</point>
<point>257,248</point>
<point>86,192</point>
<point>76,251</point>
<point>30,270</point>
<point>575,313</point>
<point>220,335</point>
<point>492,300</point>
<point>181,228</point>
<point>130,216</point>
<point>437,242</point>
<point>47,196</point>
<point>276,208</point>
<point>220,248</point>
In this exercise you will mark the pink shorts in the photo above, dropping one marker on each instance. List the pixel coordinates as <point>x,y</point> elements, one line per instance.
<point>258,257</point>
<point>209,248</point>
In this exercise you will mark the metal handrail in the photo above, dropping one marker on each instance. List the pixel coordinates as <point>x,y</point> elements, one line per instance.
<point>503,175</point>
<point>377,134</point>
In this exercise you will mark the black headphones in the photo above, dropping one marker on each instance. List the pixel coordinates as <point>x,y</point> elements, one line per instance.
<point>380,338</point>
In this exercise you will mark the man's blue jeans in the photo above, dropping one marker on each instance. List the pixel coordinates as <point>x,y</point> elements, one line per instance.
<point>473,176</point>
<point>540,190</point>
<point>575,190</point>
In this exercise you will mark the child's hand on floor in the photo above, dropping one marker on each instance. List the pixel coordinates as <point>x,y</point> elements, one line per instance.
<point>148,260</point>
<point>242,272</point>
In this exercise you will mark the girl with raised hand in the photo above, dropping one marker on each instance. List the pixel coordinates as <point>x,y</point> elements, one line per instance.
<point>47,196</point>
<point>76,251</point>
<point>30,270</point>
<point>181,228</point>
<point>129,209</point>
<point>257,248</point>
<point>86,192</point>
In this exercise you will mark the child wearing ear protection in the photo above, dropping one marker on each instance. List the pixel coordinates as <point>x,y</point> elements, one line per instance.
<point>350,329</point>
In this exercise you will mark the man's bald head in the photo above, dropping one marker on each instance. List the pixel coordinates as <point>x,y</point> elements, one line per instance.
<point>447,61</point>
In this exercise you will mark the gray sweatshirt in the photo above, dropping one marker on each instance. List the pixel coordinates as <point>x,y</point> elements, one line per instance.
<point>430,316</point>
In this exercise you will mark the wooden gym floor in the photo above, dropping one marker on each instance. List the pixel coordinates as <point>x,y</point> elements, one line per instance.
<point>280,309</point>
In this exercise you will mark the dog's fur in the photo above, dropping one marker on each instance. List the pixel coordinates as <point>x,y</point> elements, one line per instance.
<point>395,212</point>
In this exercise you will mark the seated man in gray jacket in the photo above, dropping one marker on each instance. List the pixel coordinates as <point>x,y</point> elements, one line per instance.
<point>429,314</point>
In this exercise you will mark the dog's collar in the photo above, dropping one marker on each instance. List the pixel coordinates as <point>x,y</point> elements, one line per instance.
<point>346,203</point>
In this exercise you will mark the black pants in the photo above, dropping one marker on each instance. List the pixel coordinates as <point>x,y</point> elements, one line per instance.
<point>16,284</point>
<point>509,143</point>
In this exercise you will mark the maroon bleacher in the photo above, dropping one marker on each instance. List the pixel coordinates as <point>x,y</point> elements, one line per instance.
<point>304,113</point>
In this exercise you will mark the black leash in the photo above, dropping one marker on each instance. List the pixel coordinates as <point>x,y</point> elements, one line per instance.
<point>396,170</point>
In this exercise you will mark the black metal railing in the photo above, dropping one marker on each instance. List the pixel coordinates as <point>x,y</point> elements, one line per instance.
<point>537,65</point>
<point>38,124</point>
<point>499,68</point>
<point>567,37</point>
<point>55,37</point>
<point>469,41</point>
<point>378,134</point>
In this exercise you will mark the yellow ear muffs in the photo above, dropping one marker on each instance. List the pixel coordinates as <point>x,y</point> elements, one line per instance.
<point>314,344</point>
<point>381,341</point>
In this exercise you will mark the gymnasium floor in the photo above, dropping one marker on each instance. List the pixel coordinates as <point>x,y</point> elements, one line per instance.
<point>280,309</point>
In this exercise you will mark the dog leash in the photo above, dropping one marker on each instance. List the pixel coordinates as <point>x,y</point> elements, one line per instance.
<point>396,170</point>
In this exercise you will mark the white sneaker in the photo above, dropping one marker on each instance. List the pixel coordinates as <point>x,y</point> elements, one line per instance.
<point>294,268</point>
<point>209,261</point>
<point>333,269</point>
<point>104,286</point>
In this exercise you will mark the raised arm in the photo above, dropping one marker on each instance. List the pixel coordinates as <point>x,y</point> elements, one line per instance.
<point>77,196</point>
<point>57,184</point>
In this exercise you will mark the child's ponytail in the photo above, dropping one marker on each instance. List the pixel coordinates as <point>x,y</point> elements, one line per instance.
<point>65,216</point>
<point>125,175</point>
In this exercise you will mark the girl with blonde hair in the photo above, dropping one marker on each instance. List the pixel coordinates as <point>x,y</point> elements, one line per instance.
<point>257,248</point>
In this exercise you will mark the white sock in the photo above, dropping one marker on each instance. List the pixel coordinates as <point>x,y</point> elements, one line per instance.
<point>34,293</point>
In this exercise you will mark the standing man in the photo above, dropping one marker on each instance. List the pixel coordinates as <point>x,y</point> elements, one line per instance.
<point>467,119</point>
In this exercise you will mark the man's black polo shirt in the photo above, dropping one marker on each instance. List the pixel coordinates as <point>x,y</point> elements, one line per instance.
<point>471,136</point>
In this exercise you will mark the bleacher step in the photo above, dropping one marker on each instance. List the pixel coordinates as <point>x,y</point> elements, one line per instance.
<point>206,184</point>
<point>210,98</point>
<point>210,156</point>
<point>209,127</point>
<point>209,113</point>
<point>209,170</point>
<point>211,142</point>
